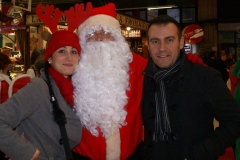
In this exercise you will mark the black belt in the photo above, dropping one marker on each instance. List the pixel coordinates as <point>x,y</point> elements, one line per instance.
<point>135,156</point>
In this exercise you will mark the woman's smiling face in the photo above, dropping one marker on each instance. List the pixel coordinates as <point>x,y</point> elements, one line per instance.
<point>64,60</point>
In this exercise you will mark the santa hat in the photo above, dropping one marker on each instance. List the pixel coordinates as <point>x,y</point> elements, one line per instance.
<point>104,16</point>
<point>60,39</point>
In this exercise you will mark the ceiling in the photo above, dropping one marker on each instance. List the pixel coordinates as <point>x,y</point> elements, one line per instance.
<point>58,3</point>
<point>66,4</point>
<point>61,4</point>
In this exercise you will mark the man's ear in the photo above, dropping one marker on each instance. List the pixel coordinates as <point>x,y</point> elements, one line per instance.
<point>148,49</point>
<point>182,42</point>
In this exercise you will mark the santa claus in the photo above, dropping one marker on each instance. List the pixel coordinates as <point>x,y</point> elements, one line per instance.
<point>108,90</point>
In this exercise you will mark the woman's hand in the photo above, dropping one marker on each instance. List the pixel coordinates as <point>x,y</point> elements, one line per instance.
<point>34,157</point>
<point>36,154</point>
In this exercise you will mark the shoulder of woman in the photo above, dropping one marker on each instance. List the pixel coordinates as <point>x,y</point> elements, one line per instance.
<point>39,82</point>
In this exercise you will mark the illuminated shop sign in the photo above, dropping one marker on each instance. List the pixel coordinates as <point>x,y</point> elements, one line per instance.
<point>123,20</point>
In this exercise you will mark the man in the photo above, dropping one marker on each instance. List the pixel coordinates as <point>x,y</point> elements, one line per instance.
<point>181,99</point>
<point>211,61</point>
<point>222,65</point>
<point>108,90</point>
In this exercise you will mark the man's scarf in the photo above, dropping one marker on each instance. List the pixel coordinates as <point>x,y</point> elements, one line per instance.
<point>162,123</point>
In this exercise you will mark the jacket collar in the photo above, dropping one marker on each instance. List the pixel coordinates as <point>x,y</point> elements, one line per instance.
<point>149,68</point>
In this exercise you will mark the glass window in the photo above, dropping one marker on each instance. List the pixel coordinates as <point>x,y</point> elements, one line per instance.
<point>226,37</point>
<point>152,14</point>
<point>188,15</point>
<point>174,13</point>
<point>143,15</point>
<point>237,37</point>
<point>129,13</point>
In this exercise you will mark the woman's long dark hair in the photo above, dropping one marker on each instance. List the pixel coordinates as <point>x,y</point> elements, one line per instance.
<point>59,115</point>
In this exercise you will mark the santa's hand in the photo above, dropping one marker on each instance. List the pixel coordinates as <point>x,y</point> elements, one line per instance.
<point>195,59</point>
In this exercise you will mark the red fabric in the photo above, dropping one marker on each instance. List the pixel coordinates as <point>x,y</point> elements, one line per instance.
<point>60,39</point>
<point>4,91</point>
<point>234,80</point>
<point>228,155</point>
<point>194,59</point>
<point>49,17</point>
<point>109,10</point>
<point>20,83</point>
<point>64,84</point>
<point>131,134</point>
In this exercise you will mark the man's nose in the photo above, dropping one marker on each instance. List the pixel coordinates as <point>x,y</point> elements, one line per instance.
<point>99,37</point>
<point>162,47</point>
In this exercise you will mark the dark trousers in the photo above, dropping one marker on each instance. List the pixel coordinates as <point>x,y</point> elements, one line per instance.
<point>135,156</point>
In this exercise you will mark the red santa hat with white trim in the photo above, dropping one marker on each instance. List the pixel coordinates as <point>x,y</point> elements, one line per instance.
<point>104,16</point>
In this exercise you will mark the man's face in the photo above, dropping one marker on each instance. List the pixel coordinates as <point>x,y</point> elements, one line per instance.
<point>99,35</point>
<point>164,44</point>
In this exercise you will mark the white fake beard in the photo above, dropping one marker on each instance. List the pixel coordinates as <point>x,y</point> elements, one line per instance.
<point>100,84</point>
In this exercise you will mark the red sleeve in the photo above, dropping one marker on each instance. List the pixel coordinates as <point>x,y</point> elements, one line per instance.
<point>20,83</point>
<point>4,91</point>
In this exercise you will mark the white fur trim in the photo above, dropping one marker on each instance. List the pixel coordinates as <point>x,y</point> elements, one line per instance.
<point>113,146</point>
<point>100,19</point>
<point>10,89</point>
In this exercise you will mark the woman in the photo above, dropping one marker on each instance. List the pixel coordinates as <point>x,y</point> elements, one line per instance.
<point>30,110</point>
<point>4,77</point>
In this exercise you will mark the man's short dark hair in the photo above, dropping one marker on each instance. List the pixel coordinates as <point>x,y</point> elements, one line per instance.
<point>164,20</point>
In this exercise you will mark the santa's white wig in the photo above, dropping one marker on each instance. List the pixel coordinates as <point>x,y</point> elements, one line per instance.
<point>100,82</point>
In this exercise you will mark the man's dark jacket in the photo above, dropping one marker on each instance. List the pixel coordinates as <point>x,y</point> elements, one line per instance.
<point>195,95</point>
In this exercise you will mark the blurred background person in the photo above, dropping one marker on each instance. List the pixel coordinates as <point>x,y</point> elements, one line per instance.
<point>222,65</point>
<point>39,64</point>
<point>230,59</point>
<point>5,79</point>
<point>211,61</point>
<point>37,53</point>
